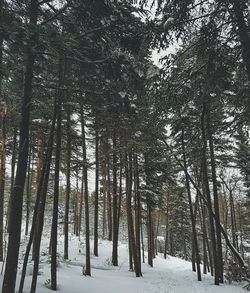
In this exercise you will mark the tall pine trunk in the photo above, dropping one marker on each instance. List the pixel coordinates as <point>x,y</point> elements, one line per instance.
<point>109,200</point>
<point>13,167</point>
<point>3,111</point>
<point>215,192</point>
<point>192,216</point>
<point>137,210</point>
<point>68,173</point>
<point>86,195</point>
<point>96,191</point>
<point>131,233</point>
<point>58,107</point>
<point>209,201</point>
<point>15,223</point>
<point>115,209</point>
<point>28,192</point>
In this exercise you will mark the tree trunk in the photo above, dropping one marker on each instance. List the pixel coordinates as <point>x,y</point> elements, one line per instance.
<point>115,209</point>
<point>109,199</point>
<point>54,226</point>
<point>215,192</point>
<point>13,167</point>
<point>120,193</point>
<point>39,220</point>
<point>41,193</point>
<point>76,204</point>
<point>131,235</point>
<point>81,204</point>
<point>209,201</point>
<point>149,217</point>
<point>137,210</point>
<point>86,195</point>
<point>15,223</point>
<point>28,194</point>
<point>167,228</point>
<point>192,217</point>
<point>3,111</point>
<point>96,191</point>
<point>149,227</point>
<point>39,164</point>
<point>68,174</point>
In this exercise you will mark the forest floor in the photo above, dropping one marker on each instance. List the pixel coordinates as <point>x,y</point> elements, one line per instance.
<point>172,275</point>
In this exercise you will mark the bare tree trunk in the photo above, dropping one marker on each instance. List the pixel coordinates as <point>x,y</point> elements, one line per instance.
<point>39,165</point>
<point>167,228</point>
<point>109,212</point>
<point>209,201</point>
<point>215,192</point>
<point>76,204</point>
<point>96,192</point>
<point>81,204</point>
<point>157,230</point>
<point>86,195</point>
<point>15,223</point>
<point>13,167</point>
<point>39,217</point>
<point>131,235</point>
<point>3,111</point>
<point>28,194</point>
<point>115,209</point>
<point>120,193</point>
<point>104,226</point>
<point>149,226</point>
<point>192,216</point>
<point>41,193</point>
<point>68,174</point>
<point>54,226</point>
<point>137,210</point>
<point>142,244</point>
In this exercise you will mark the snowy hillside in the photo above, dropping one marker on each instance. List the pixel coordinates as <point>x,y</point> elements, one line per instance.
<point>173,275</point>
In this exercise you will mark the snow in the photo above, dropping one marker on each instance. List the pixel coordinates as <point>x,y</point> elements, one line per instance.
<point>172,275</point>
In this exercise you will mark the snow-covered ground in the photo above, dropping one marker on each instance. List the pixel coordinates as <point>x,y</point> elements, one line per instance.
<point>172,275</point>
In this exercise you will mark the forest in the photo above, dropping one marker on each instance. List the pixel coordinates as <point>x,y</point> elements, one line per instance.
<point>125,146</point>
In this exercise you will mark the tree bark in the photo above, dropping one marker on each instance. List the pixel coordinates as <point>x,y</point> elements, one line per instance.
<point>195,241</point>
<point>86,195</point>
<point>68,174</point>
<point>209,201</point>
<point>41,193</point>
<point>13,167</point>
<point>28,193</point>
<point>131,234</point>
<point>115,209</point>
<point>167,228</point>
<point>3,112</point>
<point>96,191</point>
<point>109,199</point>
<point>215,193</point>
<point>137,210</point>
<point>58,106</point>
<point>17,196</point>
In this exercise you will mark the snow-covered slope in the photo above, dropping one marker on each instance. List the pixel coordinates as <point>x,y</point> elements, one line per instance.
<point>168,276</point>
